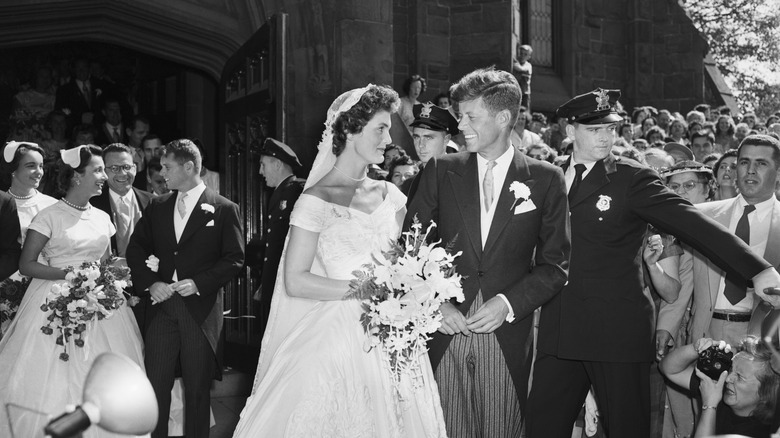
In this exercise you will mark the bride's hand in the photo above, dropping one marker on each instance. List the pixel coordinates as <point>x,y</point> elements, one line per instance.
<point>119,262</point>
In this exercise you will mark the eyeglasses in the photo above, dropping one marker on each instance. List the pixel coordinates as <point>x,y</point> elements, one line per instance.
<point>687,186</point>
<point>125,167</point>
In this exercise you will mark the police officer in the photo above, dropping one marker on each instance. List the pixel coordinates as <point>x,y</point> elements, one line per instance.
<point>277,165</point>
<point>599,330</point>
<point>432,130</point>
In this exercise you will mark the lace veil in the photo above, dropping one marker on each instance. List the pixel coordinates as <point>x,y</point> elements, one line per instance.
<point>287,311</point>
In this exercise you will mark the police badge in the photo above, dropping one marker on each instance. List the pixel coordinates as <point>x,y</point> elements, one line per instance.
<point>283,205</point>
<point>603,203</point>
<point>426,110</point>
<point>602,100</point>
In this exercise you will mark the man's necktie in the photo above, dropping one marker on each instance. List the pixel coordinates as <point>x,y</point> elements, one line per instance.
<point>575,185</point>
<point>736,288</point>
<point>487,185</point>
<point>87,94</point>
<point>122,227</point>
<point>181,207</point>
<point>116,135</point>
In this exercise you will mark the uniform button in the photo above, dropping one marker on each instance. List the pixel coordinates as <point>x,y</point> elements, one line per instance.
<point>480,273</point>
<point>269,216</point>
<point>268,231</point>
<point>265,259</point>
<point>176,253</point>
<point>266,245</point>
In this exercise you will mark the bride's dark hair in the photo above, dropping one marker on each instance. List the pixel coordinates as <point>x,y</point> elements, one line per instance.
<point>377,98</point>
<point>65,172</point>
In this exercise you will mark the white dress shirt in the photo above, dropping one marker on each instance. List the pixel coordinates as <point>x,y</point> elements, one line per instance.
<point>486,217</point>
<point>760,220</point>
<point>571,172</point>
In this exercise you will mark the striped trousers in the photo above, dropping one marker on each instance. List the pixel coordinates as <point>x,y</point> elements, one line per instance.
<point>477,392</point>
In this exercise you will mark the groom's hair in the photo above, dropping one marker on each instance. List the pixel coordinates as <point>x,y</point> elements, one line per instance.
<point>184,150</point>
<point>498,89</point>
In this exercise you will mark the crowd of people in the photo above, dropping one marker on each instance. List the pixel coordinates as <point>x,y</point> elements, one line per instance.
<point>602,254</point>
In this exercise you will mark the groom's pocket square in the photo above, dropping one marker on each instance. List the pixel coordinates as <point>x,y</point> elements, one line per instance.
<point>210,223</point>
<point>525,207</point>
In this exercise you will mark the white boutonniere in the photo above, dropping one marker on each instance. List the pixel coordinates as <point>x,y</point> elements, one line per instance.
<point>153,263</point>
<point>521,191</point>
<point>603,203</point>
<point>208,208</point>
<point>283,205</point>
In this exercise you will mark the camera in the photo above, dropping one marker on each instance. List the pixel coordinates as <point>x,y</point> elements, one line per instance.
<point>714,360</point>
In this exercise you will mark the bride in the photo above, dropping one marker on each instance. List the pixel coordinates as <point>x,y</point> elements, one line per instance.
<point>315,378</point>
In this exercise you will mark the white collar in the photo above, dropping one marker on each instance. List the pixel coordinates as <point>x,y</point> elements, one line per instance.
<point>503,161</point>
<point>128,197</point>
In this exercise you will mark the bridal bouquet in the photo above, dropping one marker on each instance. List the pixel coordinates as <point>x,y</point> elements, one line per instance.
<point>402,292</point>
<point>11,292</point>
<point>92,292</point>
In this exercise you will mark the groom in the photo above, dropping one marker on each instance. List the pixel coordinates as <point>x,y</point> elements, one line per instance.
<point>509,216</point>
<point>197,237</point>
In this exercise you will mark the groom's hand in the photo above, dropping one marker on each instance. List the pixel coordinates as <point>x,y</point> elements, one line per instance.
<point>489,317</point>
<point>160,292</point>
<point>185,288</point>
<point>452,320</point>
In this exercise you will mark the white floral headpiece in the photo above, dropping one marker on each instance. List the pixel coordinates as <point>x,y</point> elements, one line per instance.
<point>72,157</point>
<point>12,146</point>
<point>326,159</point>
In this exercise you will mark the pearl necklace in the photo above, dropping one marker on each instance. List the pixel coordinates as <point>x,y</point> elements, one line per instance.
<point>22,197</point>
<point>77,207</point>
<point>353,179</point>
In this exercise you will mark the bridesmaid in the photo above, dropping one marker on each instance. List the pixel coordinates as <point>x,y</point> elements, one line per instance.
<point>23,166</point>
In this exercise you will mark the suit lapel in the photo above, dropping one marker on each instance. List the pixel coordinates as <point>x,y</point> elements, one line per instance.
<point>465,179</point>
<point>165,223</point>
<point>597,178</point>
<point>199,216</point>
<point>518,171</point>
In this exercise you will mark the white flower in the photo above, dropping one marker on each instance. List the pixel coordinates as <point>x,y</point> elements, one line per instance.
<point>72,307</point>
<point>153,263</point>
<point>207,208</point>
<point>520,190</point>
<point>70,276</point>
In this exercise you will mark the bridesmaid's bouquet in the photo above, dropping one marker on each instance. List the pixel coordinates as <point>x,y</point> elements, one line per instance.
<point>92,292</point>
<point>11,292</point>
<point>401,294</point>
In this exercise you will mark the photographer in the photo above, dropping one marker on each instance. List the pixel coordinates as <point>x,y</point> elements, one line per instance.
<point>741,401</point>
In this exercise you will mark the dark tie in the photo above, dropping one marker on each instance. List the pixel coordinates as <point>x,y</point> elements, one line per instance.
<point>736,287</point>
<point>575,185</point>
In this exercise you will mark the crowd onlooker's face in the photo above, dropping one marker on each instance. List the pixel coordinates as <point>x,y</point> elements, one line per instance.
<point>429,144</point>
<point>480,128</point>
<point>727,172</point>
<point>677,129</point>
<point>113,113</point>
<point>43,79</point>
<point>152,148</point>
<point>443,102</point>
<point>742,131</point>
<point>756,173</point>
<point>664,120</point>
<point>415,88</point>
<point>592,142</point>
<point>689,186</point>
<point>627,132</point>
<point>536,127</point>
<point>740,392</point>
<point>29,172</point>
<point>120,171</point>
<point>82,70</point>
<point>654,137</point>
<point>157,183</point>
<point>723,124</point>
<point>701,147</point>
<point>750,121</point>
<point>647,124</point>
<point>59,127</point>
<point>390,155</point>
<point>137,133</point>
<point>402,173</point>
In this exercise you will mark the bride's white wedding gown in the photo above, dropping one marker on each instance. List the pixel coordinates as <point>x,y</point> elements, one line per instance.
<point>315,377</point>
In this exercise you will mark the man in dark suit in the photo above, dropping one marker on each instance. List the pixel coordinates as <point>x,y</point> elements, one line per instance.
<point>508,216</point>
<point>277,163</point>
<point>432,128</point>
<point>197,237</point>
<point>112,129</point>
<point>80,98</point>
<point>599,330</point>
<point>9,236</point>
<point>125,205</point>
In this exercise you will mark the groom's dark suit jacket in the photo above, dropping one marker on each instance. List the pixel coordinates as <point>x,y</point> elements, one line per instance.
<point>526,256</point>
<point>210,252</point>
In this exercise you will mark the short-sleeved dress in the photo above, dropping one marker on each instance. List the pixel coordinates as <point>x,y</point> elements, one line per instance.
<point>315,376</point>
<point>31,373</point>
